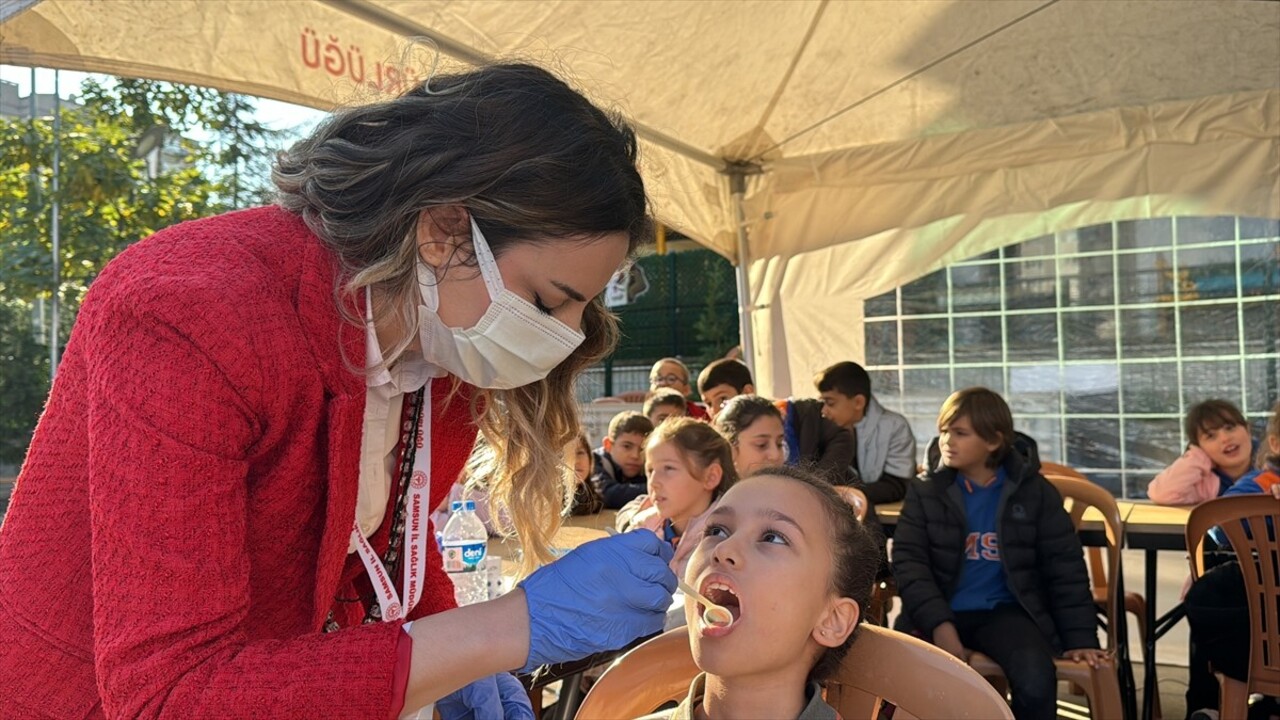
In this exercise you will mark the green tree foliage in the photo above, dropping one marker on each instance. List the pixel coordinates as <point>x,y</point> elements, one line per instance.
<point>108,200</point>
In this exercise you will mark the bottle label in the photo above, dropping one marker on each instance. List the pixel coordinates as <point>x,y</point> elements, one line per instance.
<point>463,557</point>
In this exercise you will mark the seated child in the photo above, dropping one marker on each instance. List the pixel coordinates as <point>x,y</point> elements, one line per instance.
<point>1217,609</point>
<point>986,557</point>
<point>812,439</point>
<point>665,403</point>
<point>1219,453</point>
<point>783,553</point>
<point>690,466</point>
<point>618,471</point>
<point>753,427</point>
<point>586,499</point>
<point>671,373</point>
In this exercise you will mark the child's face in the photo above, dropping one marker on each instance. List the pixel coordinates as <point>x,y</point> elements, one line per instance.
<point>581,462</point>
<point>716,397</point>
<point>669,375</point>
<point>763,443</point>
<point>767,556</point>
<point>662,412</point>
<point>677,493</point>
<point>962,448</point>
<point>628,451</point>
<point>1229,447</point>
<point>841,409</point>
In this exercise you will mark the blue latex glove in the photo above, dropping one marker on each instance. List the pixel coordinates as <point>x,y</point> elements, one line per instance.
<point>599,597</point>
<point>497,697</point>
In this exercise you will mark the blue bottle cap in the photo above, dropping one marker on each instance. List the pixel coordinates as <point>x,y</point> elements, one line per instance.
<point>470,505</point>
<point>455,506</point>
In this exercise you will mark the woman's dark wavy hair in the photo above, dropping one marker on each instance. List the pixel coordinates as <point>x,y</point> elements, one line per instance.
<point>532,161</point>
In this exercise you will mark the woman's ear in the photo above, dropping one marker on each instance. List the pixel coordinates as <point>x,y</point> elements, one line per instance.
<point>837,622</point>
<point>440,232</point>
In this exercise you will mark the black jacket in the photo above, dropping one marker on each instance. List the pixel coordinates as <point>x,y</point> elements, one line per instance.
<point>1041,553</point>
<point>615,488</point>
<point>823,445</point>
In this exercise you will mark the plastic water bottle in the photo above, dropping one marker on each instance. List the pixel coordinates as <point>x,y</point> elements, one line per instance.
<point>465,541</point>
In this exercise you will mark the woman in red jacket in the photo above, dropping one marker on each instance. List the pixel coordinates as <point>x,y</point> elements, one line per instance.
<point>223,512</point>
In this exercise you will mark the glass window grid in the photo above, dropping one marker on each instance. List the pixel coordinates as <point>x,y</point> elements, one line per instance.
<point>1005,257</point>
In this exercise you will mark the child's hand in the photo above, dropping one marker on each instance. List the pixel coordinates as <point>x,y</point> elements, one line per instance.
<point>1092,656</point>
<point>946,637</point>
<point>1275,491</point>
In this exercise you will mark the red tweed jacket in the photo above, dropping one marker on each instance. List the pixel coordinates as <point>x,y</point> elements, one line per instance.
<point>179,531</point>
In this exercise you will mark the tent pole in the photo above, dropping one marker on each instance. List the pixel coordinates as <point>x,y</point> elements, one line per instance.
<point>738,192</point>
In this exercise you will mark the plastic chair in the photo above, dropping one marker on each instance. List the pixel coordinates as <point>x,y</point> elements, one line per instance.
<point>882,667</point>
<point>1239,517</point>
<point>1101,686</point>
<point>1134,603</point>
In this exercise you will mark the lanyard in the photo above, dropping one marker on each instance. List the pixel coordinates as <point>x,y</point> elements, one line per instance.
<point>414,549</point>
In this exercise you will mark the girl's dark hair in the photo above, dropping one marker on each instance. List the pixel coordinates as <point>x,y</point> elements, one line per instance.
<point>531,161</point>
<point>700,446</point>
<point>740,412</point>
<point>1210,415</point>
<point>855,556</point>
<point>987,412</point>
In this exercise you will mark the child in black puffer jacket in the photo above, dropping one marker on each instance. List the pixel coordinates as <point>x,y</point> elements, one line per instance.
<point>986,558</point>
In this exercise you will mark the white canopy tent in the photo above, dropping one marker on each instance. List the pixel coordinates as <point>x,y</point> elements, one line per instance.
<point>833,149</point>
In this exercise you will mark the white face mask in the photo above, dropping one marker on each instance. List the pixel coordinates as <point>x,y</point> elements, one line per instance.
<point>512,345</point>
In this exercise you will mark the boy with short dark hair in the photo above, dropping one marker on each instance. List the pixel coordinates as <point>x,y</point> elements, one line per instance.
<point>884,455</point>
<point>665,403</point>
<point>619,465</point>
<point>811,438</point>
<point>671,373</point>
<point>986,556</point>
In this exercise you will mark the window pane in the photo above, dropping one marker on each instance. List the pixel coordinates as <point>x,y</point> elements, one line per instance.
<point>881,305</point>
<point>1259,228</point>
<point>1087,281</point>
<point>1151,443</point>
<point>1209,330</point>
<point>1262,384</point>
<point>1205,229</point>
<point>1157,232</point>
<point>1089,335</point>
<point>1262,326</point>
<point>1030,285</point>
<point>882,342</point>
<point>1035,389</point>
<point>1091,388</point>
<point>1093,443</point>
<point>977,338</point>
<point>1147,332</point>
<point>1260,268</point>
<point>924,391</point>
<point>885,387</point>
<point>975,288</point>
<point>1212,379</point>
<point>926,295</point>
<point>1047,432</point>
<point>1032,337</point>
<point>924,341</point>
<point>990,377</point>
<point>1146,277</point>
<point>1207,272</point>
<point>1135,484</point>
<point>1151,388</point>
<point>1095,238</point>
